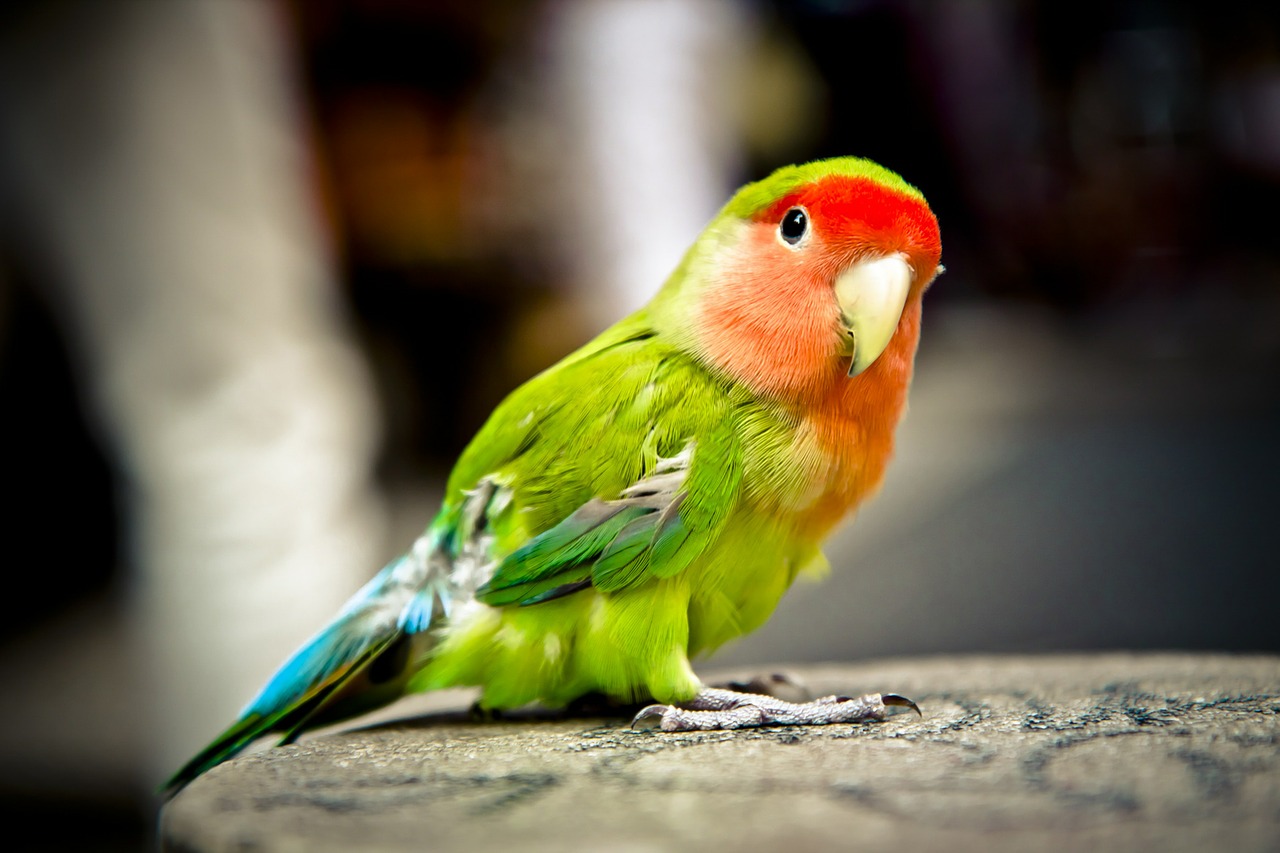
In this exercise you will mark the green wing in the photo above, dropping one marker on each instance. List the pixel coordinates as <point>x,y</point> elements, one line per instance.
<point>622,463</point>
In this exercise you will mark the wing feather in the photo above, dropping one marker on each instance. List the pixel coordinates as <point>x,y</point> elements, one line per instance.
<point>640,528</point>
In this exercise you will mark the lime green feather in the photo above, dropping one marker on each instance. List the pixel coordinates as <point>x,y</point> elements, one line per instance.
<point>638,405</point>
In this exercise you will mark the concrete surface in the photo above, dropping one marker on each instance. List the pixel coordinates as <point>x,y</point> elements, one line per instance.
<point>1098,752</point>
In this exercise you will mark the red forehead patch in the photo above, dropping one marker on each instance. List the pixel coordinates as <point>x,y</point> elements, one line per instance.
<point>846,208</point>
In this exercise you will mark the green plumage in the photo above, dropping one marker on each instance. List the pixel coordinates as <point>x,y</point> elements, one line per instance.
<point>592,589</point>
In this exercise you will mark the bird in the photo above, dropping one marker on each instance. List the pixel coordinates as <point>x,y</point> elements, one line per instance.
<point>654,494</point>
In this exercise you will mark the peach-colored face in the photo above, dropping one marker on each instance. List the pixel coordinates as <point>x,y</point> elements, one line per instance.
<point>772,319</point>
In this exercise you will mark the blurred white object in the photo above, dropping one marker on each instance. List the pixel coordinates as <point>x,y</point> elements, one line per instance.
<point>157,153</point>
<point>645,96</point>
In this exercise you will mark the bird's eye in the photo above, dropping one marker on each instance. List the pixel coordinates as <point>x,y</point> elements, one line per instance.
<point>793,225</point>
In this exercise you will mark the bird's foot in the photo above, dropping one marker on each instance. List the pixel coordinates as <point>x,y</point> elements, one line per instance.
<point>715,708</point>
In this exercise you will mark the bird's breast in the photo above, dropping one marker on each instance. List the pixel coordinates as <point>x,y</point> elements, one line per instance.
<point>835,450</point>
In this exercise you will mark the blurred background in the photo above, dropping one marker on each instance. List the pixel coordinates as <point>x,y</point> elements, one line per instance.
<point>266,266</point>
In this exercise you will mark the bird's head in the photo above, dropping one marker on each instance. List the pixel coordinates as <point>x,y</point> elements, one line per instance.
<point>806,278</point>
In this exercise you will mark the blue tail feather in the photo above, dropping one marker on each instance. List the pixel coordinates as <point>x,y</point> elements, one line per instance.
<point>353,665</point>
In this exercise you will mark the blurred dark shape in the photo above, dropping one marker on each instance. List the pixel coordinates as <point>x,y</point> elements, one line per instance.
<point>1090,157</point>
<point>54,469</point>
<point>413,172</point>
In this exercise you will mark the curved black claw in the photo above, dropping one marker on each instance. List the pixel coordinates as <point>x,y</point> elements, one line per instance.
<point>649,718</point>
<point>893,700</point>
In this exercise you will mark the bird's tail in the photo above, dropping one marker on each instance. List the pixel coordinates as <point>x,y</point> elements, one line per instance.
<point>360,661</point>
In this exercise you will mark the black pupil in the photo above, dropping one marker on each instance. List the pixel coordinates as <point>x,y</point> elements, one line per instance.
<point>793,225</point>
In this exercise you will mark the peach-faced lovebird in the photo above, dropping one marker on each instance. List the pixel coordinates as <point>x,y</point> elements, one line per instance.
<point>654,494</point>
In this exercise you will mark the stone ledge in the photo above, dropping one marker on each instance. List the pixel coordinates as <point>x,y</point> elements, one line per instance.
<point>1109,751</point>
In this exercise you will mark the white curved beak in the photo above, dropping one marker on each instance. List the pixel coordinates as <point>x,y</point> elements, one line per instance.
<point>871,295</point>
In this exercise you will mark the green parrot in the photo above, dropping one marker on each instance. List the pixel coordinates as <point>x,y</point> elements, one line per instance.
<point>654,494</point>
